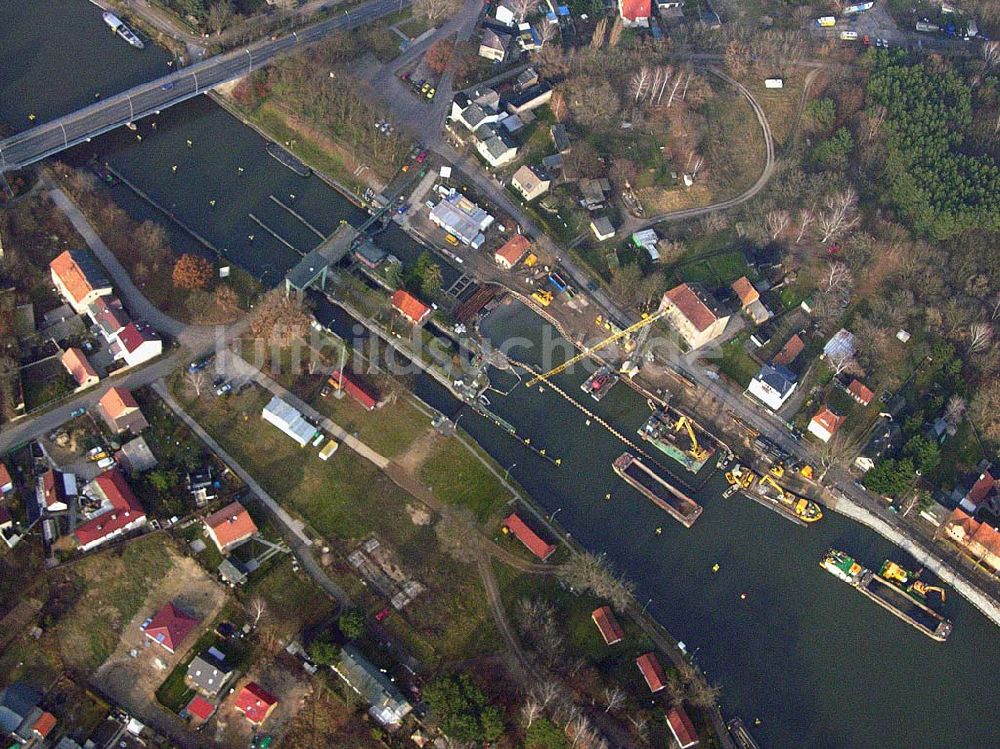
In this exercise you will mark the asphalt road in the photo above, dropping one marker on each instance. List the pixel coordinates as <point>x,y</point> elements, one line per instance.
<point>52,137</point>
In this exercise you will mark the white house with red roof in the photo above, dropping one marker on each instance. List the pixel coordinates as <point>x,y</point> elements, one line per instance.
<point>79,278</point>
<point>634,12</point>
<point>136,343</point>
<point>169,627</point>
<point>984,492</point>
<point>825,424</point>
<point>120,411</point>
<point>82,372</point>
<point>694,314</point>
<point>410,307</point>
<point>230,526</point>
<point>118,511</point>
<point>681,728</point>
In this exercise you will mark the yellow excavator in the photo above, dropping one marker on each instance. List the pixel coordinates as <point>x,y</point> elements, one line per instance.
<point>768,481</point>
<point>778,470</point>
<point>923,589</point>
<point>696,451</point>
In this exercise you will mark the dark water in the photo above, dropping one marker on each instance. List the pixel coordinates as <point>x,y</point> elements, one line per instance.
<point>820,665</point>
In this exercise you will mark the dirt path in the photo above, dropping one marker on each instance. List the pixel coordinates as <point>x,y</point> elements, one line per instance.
<point>419,451</point>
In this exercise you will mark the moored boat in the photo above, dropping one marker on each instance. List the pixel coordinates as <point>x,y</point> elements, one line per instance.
<point>657,490</point>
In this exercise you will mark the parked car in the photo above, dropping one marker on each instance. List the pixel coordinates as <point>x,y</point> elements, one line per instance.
<point>421,157</point>
<point>77,412</point>
<point>199,364</point>
<point>224,388</point>
<point>105,463</point>
<point>451,239</point>
<point>382,615</point>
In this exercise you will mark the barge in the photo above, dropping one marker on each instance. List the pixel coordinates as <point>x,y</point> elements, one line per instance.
<point>741,735</point>
<point>600,383</point>
<point>888,594</point>
<point>280,154</point>
<point>658,491</point>
<point>767,492</point>
<point>677,438</point>
<point>121,28</point>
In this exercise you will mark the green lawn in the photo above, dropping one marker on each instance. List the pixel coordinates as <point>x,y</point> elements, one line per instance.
<point>736,363</point>
<point>389,430</point>
<point>458,477</point>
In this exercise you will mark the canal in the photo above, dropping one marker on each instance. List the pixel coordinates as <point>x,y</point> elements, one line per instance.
<point>819,664</point>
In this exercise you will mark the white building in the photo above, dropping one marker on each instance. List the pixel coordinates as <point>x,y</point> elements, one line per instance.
<point>773,386</point>
<point>459,216</point>
<point>288,419</point>
<point>136,343</point>
<point>497,150</point>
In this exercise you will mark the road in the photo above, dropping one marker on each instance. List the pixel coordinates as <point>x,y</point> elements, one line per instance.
<point>52,137</point>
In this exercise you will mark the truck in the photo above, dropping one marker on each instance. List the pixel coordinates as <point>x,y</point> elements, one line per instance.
<point>849,36</point>
<point>825,22</point>
<point>927,27</point>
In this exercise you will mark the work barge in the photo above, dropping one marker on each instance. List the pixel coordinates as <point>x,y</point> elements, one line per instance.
<point>656,489</point>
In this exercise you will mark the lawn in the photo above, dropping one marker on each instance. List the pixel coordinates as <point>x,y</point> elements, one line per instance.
<point>459,477</point>
<point>736,363</point>
<point>389,430</point>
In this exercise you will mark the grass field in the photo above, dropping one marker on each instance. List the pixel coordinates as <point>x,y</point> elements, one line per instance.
<point>458,477</point>
<point>736,363</point>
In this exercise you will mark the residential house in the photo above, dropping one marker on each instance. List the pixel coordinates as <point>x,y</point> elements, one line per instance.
<point>792,348</point>
<point>109,315</point>
<point>462,218</point>
<point>57,491</point>
<point>694,314</point>
<point>526,79</point>
<point>668,4</point>
<point>120,412</point>
<point>497,150</point>
<point>652,672</point>
<point>594,192</point>
<point>207,674</point>
<point>199,708</point>
<point>230,526</point>
<point>773,385</point>
<point>750,300</point>
<point>6,483</point>
<point>512,251</point>
<point>135,456</point>
<point>634,12</point>
<point>532,541</point>
<point>288,419</point>
<point>983,493</point>
<point>528,99</point>
<point>137,343</point>
<point>476,115</point>
<point>681,728</point>
<point>602,227</point>
<point>531,182</point>
<point>79,278</point>
<point>387,705</point>
<point>608,625</point>
<point>513,122</point>
<point>255,703</point>
<point>17,701</point>
<point>841,347</point>
<point>42,727</point>
<point>169,627</point>
<point>202,485</point>
<point>825,424</point>
<point>528,39</point>
<point>860,392</point>
<point>560,139</point>
<point>505,13</point>
<point>411,308</point>
<point>493,45</point>
<point>75,362</point>
<point>118,511</point>
<point>553,162</point>
<point>981,541</point>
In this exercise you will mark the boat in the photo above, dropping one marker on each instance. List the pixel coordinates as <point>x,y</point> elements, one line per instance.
<point>280,154</point>
<point>741,735</point>
<point>664,432</point>
<point>600,383</point>
<point>121,28</point>
<point>889,594</point>
<point>656,489</point>
<point>766,491</point>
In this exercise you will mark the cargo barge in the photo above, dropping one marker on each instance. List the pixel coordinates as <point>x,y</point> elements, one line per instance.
<point>662,494</point>
<point>887,594</point>
<point>765,491</point>
<point>664,432</point>
<point>741,735</point>
<point>280,154</point>
<point>600,383</point>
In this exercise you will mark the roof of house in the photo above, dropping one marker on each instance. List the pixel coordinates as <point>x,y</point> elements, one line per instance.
<point>602,224</point>
<point>828,420</point>
<point>358,391</point>
<point>109,313</point>
<point>528,178</point>
<point>861,392</point>
<point>254,702</point>
<point>777,377</point>
<point>695,304</point>
<point>498,146</point>
<point>80,273</point>
<point>607,625</point>
<point>411,307</point>
<point>231,524</point>
<point>125,508</point>
<point>16,701</point>
<point>745,291</point>
<point>135,455</point>
<point>681,727</point>
<point>4,475</point>
<point>117,402</point>
<point>841,345</point>
<point>981,489</point>
<point>652,671</point>
<point>208,673</point>
<point>540,548</point>
<point>973,530</point>
<point>200,708</point>
<point>792,348</point>
<point>169,626</point>
<point>388,705</point>
<point>57,486</point>
<point>132,336</point>
<point>514,248</point>
<point>634,9</point>
<point>44,725</point>
<point>528,95</point>
<point>491,40</point>
<point>77,365</point>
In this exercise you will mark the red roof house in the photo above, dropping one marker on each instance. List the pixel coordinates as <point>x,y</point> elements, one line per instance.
<point>121,511</point>
<point>792,348</point>
<point>58,490</point>
<point>410,307</point>
<point>634,12</point>
<point>512,251</point>
<point>984,489</point>
<point>79,278</point>
<point>136,343</point>
<point>6,483</point>
<point>230,526</point>
<point>608,625</point>
<point>825,424</point>
<point>200,708</point>
<point>695,313</point>
<point>652,671</point>
<point>79,368</point>
<point>745,290</point>
<point>541,549</point>
<point>255,703</point>
<point>44,725</point>
<point>860,393</point>
<point>340,379</point>
<point>120,411</point>
<point>169,626</point>
<point>682,728</point>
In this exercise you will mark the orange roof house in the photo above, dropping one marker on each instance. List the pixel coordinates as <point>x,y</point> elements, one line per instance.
<point>608,625</point>
<point>255,703</point>
<point>121,511</point>
<point>512,251</point>
<point>694,313</point>
<point>652,672</point>
<point>745,291</point>
<point>44,725</point>
<point>634,12</point>
<point>981,541</point>
<point>681,728</point>
<point>410,307</point>
<point>120,411</point>
<point>230,526</point>
<point>860,392</point>
<point>79,278</point>
<point>6,483</point>
<point>80,369</point>
<point>535,544</point>
<point>825,424</point>
<point>792,348</point>
<point>170,626</point>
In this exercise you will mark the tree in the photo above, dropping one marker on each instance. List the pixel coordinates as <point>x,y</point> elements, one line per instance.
<point>438,57</point>
<point>625,284</point>
<point>591,574</point>
<point>890,477</point>
<point>832,153</point>
<point>614,698</point>
<point>462,710</point>
<point>777,222</point>
<point>592,102</point>
<point>323,652</point>
<point>838,450</point>
<point>840,215</point>
<point>280,318</point>
<point>531,711</point>
<point>192,272</point>
<point>985,409</point>
<point>257,610</point>
<point>924,452</point>
<point>226,300</point>
<point>521,8</point>
<point>954,411</point>
<point>220,15</point>
<point>352,624</point>
<point>435,10</point>
<point>544,734</point>
<point>980,336</point>
<point>196,380</point>
<point>737,58</point>
<point>430,284</point>
<point>806,218</point>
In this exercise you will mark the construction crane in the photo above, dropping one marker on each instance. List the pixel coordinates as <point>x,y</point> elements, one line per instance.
<point>646,320</point>
<point>919,586</point>
<point>697,452</point>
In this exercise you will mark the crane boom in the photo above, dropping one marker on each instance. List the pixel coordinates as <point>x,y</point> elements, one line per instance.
<point>697,451</point>
<point>647,320</point>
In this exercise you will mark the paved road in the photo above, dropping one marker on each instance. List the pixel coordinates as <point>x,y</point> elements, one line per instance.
<point>52,137</point>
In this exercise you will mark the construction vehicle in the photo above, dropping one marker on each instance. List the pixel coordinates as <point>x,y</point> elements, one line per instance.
<point>766,480</point>
<point>922,588</point>
<point>892,571</point>
<point>778,470</point>
<point>806,471</point>
<point>543,297</point>
<point>646,320</point>
<point>696,451</point>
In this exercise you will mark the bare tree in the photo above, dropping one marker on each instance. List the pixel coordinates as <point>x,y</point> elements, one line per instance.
<point>257,609</point>
<point>196,380</point>
<point>547,693</point>
<point>991,52</point>
<point>777,222</point>
<point>547,32</point>
<point>806,218</point>
<point>521,8</point>
<point>839,361</point>
<point>640,83</point>
<point>641,725</point>
<point>840,215</point>
<point>616,32</point>
<point>875,118</point>
<point>614,698</point>
<point>954,410</point>
<point>600,31</point>
<point>531,711</point>
<point>839,450</point>
<point>836,278</point>
<point>435,10</point>
<point>980,335</point>
<point>590,573</point>
<point>220,15</point>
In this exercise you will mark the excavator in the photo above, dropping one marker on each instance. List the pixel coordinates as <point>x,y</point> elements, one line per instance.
<point>922,588</point>
<point>893,572</point>
<point>778,470</point>
<point>697,451</point>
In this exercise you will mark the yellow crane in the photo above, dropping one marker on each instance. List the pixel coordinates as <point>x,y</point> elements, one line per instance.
<point>697,451</point>
<point>923,589</point>
<point>646,320</point>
